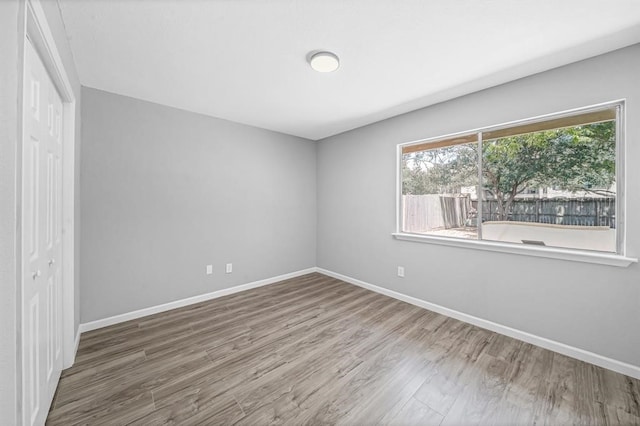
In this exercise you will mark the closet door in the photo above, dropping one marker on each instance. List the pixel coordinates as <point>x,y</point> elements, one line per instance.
<point>41,239</point>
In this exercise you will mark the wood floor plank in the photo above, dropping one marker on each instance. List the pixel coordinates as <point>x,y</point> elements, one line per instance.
<point>316,350</point>
<point>414,413</point>
<point>264,354</point>
<point>194,409</point>
<point>484,385</point>
<point>406,393</point>
<point>621,392</point>
<point>101,410</point>
<point>381,366</point>
<point>439,391</point>
<point>387,396</point>
<point>130,384</point>
<point>72,385</point>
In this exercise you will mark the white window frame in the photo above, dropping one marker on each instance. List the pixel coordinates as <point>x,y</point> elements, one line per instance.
<point>614,259</point>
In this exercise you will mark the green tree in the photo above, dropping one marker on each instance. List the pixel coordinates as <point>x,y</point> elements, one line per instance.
<point>440,171</point>
<point>580,158</point>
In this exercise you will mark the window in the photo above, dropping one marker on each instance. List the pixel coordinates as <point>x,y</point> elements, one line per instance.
<point>545,182</point>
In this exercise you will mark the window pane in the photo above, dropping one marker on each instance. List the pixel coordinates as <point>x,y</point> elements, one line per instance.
<point>553,187</point>
<point>439,188</point>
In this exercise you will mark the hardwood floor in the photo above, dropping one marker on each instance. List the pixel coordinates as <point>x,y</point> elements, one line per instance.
<point>316,350</point>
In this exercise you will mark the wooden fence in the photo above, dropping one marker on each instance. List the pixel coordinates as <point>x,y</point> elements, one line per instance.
<point>430,212</point>
<point>433,212</point>
<point>560,211</point>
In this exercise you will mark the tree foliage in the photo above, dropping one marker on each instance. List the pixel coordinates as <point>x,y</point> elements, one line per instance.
<point>440,171</point>
<point>580,158</point>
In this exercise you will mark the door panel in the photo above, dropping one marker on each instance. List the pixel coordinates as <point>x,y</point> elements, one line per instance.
<point>33,194</point>
<point>50,330</point>
<point>34,359</point>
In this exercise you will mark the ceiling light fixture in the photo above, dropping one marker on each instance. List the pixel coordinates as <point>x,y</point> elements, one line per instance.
<point>324,62</point>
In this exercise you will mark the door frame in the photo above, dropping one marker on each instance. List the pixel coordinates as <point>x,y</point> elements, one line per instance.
<point>37,30</point>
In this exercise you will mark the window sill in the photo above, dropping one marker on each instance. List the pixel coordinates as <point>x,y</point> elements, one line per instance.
<point>550,252</point>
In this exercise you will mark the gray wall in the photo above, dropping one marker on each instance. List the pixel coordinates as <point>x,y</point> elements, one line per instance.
<point>11,50</point>
<point>165,192</point>
<point>583,305</point>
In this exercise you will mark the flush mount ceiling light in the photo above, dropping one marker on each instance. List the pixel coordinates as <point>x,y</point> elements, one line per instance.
<point>324,62</point>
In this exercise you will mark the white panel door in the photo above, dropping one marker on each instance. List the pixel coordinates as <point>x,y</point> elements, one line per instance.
<point>41,240</point>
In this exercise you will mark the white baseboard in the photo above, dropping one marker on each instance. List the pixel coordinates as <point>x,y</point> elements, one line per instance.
<point>573,352</point>
<point>105,322</point>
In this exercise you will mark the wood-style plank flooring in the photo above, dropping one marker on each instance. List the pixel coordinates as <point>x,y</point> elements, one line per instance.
<point>316,350</point>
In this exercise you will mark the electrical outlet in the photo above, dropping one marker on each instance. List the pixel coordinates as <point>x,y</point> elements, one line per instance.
<point>401,271</point>
<point>229,268</point>
<point>209,269</point>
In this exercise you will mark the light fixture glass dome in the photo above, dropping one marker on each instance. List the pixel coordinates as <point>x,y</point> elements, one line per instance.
<point>324,62</point>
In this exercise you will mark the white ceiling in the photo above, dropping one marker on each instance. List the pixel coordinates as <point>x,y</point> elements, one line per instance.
<point>246,60</point>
